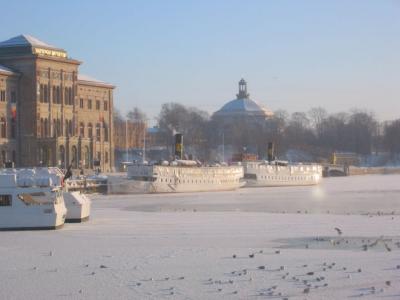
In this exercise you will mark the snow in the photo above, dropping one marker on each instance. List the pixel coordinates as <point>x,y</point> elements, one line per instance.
<point>245,106</point>
<point>83,77</point>
<point>25,40</point>
<point>181,246</point>
<point>6,70</point>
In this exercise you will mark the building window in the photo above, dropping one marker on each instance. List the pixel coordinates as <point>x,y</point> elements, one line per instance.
<point>58,127</point>
<point>81,103</point>
<point>54,95</point>
<point>105,132</point>
<point>90,130</point>
<point>13,96</point>
<point>46,128</point>
<point>68,128</point>
<point>5,200</point>
<point>98,130</point>
<point>66,96</point>
<point>98,156</point>
<point>97,105</point>
<point>105,105</point>
<point>3,128</point>
<point>41,96</point>
<point>89,104</point>
<point>2,95</point>
<point>13,128</point>
<point>82,130</point>
<point>58,98</point>
<point>71,98</point>
<point>45,93</point>
<point>106,157</point>
<point>41,127</point>
<point>54,128</point>
<point>14,156</point>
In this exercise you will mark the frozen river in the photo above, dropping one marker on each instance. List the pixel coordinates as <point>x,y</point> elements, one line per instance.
<point>225,245</point>
<point>341,195</point>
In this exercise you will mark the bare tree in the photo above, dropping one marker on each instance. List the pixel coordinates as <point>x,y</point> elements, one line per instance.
<point>391,138</point>
<point>191,122</point>
<point>317,116</point>
<point>136,115</point>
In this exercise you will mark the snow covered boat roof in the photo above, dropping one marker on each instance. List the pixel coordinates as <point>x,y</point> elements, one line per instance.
<point>36,177</point>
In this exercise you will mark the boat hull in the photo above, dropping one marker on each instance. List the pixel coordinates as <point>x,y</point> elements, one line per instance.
<point>78,207</point>
<point>265,175</point>
<point>33,218</point>
<point>175,179</point>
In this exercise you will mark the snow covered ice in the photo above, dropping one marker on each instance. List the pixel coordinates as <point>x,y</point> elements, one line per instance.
<point>253,243</point>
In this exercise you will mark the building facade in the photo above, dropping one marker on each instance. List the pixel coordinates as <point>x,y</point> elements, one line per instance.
<point>53,115</point>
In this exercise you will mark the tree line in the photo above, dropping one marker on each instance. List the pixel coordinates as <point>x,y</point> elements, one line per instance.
<point>315,132</point>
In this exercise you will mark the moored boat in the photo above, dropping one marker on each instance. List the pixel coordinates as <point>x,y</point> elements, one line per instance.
<point>177,176</point>
<point>78,207</point>
<point>264,174</point>
<point>78,204</point>
<point>280,173</point>
<point>29,202</point>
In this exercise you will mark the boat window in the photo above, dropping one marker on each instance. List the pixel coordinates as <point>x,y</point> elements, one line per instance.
<point>38,198</point>
<point>5,200</point>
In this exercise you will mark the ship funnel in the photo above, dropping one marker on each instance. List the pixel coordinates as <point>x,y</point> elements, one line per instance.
<point>179,146</point>
<point>270,151</point>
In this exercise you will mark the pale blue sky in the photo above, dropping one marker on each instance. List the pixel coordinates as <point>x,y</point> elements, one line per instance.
<point>294,54</point>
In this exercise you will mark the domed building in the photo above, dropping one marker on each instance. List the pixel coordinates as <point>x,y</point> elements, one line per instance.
<point>243,108</point>
<point>240,125</point>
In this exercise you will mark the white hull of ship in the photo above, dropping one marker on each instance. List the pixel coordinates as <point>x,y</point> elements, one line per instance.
<point>130,186</point>
<point>174,179</point>
<point>264,175</point>
<point>78,207</point>
<point>31,199</point>
<point>276,182</point>
<point>18,216</point>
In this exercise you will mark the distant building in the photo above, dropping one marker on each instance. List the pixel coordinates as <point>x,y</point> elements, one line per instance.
<point>243,108</point>
<point>49,113</point>
<point>240,124</point>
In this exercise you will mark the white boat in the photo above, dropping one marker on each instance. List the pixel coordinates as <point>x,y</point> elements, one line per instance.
<point>78,207</point>
<point>28,201</point>
<point>178,177</point>
<point>264,174</point>
<point>77,204</point>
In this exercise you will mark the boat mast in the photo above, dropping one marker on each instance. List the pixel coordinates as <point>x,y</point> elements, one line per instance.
<point>144,141</point>
<point>223,146</point>
<point>126,139</point>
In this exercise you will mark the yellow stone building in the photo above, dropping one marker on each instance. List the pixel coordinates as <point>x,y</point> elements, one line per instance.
<point>50,114</point>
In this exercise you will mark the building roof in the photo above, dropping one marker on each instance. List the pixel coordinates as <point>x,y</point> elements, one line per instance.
<point>25,40</point>
<point>243,105</point>
<point>85,79</point>
<point>7,71</point>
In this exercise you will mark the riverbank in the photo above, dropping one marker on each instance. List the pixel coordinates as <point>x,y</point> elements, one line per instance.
<point>373,170</point>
